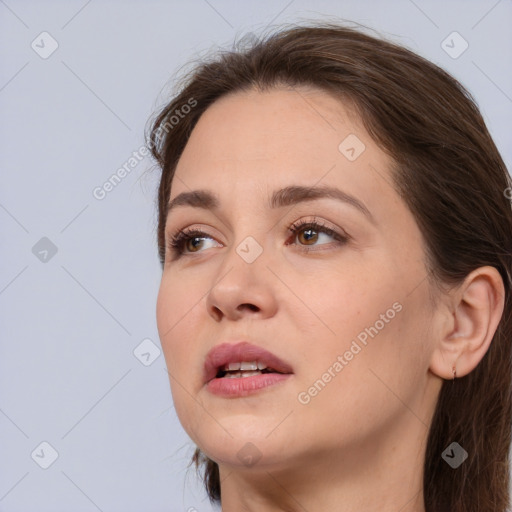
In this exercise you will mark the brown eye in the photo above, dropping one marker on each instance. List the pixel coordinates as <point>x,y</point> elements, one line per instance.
<point>190,241</point>
<point>308,233</point>
<point>187,242</point>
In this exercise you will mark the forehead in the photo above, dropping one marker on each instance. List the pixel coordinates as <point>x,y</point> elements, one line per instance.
<point>274,123</point>
<point>283,131</point>
<point>249,144</point>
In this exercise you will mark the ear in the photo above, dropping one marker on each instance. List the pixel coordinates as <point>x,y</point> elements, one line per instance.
<point>468,324</point>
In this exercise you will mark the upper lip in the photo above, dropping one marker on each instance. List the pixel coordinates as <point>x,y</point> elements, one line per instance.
<point>226,353</point>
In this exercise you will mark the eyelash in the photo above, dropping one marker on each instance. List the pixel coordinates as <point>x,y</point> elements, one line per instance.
<point>180,237</point>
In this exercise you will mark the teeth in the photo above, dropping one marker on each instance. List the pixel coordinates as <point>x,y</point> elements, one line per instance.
<point>238,375</point>
<point>244,365</point>
<point>248,366</point>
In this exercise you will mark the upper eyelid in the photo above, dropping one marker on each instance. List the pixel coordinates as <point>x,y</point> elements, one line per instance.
<point>294,226</point>
<point>174,241</point>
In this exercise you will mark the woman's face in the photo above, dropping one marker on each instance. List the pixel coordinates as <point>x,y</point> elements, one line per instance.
<point>346,310</point>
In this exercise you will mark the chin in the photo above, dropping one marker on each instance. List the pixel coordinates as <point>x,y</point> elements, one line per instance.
<point>244,438</point>
<point>254,454</point>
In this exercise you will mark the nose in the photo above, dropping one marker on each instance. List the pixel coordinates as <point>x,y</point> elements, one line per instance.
<point>242,289</point>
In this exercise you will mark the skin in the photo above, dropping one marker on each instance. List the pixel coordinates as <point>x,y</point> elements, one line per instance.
<point>359,443</point>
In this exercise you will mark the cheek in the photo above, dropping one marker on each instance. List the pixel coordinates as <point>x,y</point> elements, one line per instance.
<point>176,309</point>
<point>370,321</point>
<point>176,302</point>
<point>175,312</point>
<point>377,377</point>
<point>346,302</point>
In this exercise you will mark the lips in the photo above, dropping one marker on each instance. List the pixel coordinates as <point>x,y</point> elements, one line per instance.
<point>227,353</point>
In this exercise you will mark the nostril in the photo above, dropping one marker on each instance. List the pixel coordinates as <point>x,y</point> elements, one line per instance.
<point>252,307</point>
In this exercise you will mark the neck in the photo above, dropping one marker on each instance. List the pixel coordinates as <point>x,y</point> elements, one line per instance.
<point>381,476</point>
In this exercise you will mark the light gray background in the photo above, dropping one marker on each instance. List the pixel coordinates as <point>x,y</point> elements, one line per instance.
<point>70,325</point>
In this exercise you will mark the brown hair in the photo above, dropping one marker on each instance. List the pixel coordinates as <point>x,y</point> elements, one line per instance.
<point>448,171</point>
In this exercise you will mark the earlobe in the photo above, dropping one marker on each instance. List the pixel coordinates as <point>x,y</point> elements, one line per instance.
<point>476,308</point>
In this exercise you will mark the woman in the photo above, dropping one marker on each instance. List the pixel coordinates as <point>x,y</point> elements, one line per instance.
<point>335,303</point>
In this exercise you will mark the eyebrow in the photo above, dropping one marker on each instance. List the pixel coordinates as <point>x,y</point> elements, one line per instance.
<point>280,198</point>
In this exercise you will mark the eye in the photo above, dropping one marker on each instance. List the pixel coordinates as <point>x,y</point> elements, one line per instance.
<point>190,241</point>
<point>311,231</point>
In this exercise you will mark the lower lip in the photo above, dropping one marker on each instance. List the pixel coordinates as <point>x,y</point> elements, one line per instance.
<point>243,386</point>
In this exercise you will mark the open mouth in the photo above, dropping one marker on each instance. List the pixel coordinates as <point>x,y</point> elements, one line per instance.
<point>242,360</point>
<point>234,370</point>
<point>238,382</point>
<point>243,369</point>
